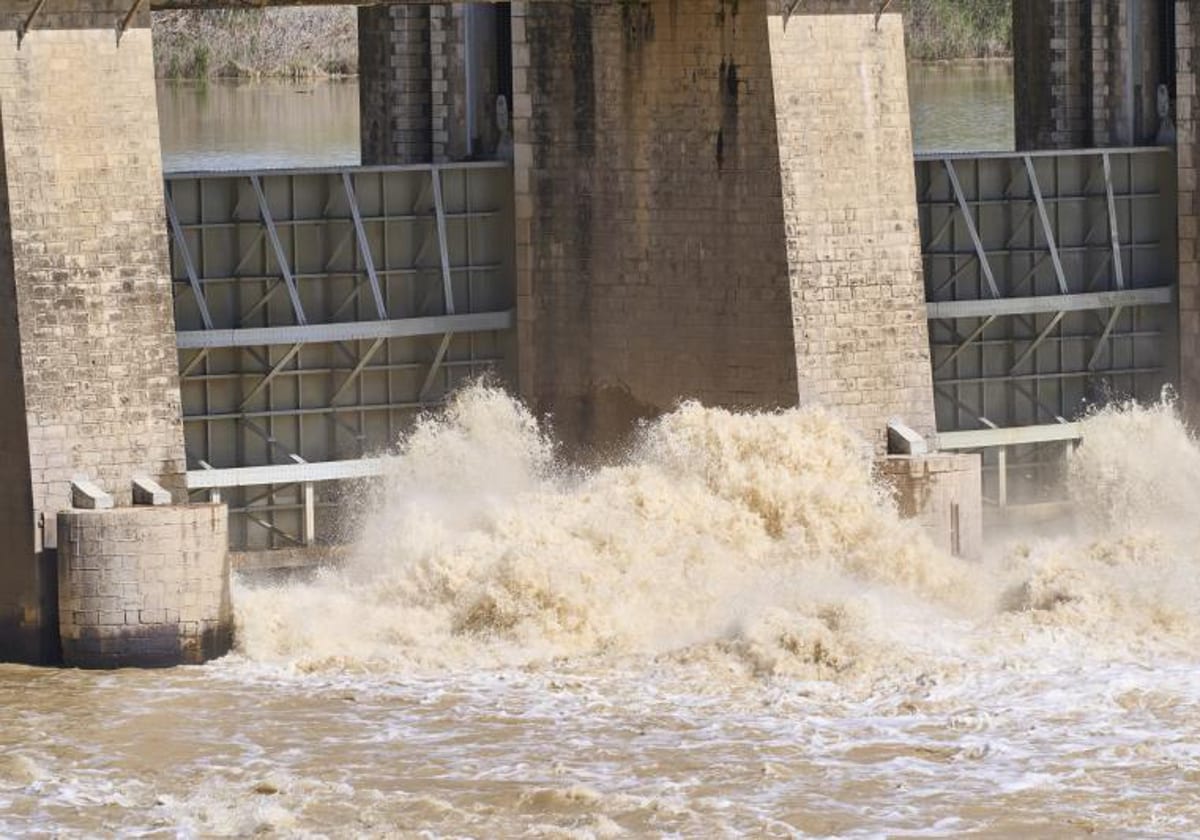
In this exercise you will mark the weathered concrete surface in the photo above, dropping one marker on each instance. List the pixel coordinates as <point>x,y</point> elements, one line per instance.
<point>395,89</point>
<point>144,586</point>
<point>87,339</point>
<point>651,257</point>
<point>850,205</point>
<point>1087,71</point>
<point>944,493</point>
<point>705,211</point>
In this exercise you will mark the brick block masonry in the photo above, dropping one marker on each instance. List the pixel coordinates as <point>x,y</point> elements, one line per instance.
<point>144,586</point>
<point>850,204</point>
<point>709,207</point>
<point>395,84</point>
<point>88,364</point>
<point>944,493</point>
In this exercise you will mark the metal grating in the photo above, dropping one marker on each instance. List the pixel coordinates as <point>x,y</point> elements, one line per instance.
<point>1050,278</point>
<point>318,311</point>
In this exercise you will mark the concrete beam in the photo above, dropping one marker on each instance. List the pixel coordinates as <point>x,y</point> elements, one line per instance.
<point>284,474</point>
<point>1014,436</point>
<point>147,491</point>
<point>87,495</point>
<point>903,440</point>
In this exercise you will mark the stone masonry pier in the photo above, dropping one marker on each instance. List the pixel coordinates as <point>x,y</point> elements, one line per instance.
<point>88,366</point>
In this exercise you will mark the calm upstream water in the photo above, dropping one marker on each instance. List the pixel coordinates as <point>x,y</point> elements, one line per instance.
<point>962,107</point>
<point>257,126</point>
<point>726,633</point>
<point>224,126</point>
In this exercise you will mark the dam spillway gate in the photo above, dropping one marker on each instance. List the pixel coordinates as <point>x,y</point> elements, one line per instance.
<point>1051,285</point>
<point>319,311</point>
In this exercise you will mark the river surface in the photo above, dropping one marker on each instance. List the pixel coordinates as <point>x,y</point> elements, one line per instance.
<point>257,126</point>
<point>727,633</point>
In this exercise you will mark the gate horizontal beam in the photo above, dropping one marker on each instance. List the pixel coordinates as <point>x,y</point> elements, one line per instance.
<point>955,309</point>
<point>352,331</point>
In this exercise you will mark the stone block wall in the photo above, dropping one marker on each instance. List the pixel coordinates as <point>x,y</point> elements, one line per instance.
<point>944,494</point>
<point>395,84</point>
<point>712,207</point>
<point>849,199</point>
<point>1087,72</point>
<point>1187,105</point>
<point>449,81</point>
<point>85,293</point>
<point>144,586</point>
<point>1052,73</point>
<point>651,259</point>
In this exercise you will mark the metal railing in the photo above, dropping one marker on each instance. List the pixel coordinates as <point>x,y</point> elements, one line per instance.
<point>999,442</point>
<point>305,476</point>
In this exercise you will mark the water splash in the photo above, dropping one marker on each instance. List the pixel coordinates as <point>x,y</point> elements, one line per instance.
<point>760,539</point>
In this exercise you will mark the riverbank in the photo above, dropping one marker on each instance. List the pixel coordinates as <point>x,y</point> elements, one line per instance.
<point>304,42</point>
<point>289,42</point>
<point>940,30</point>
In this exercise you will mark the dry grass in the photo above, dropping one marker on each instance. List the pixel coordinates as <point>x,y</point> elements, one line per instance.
<point>952,29</point>
<point>296,42</point>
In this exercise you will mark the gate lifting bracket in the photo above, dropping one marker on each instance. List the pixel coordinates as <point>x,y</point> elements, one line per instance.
<point>24,28</point>
<point>128,19</point>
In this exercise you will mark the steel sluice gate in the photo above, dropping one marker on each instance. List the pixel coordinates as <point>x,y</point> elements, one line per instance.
<point>319,311</point>
<point>1051,286</point>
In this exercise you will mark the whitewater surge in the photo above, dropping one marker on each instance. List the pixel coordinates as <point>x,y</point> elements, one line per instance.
<point>728,632</point>
<point>755,541</point>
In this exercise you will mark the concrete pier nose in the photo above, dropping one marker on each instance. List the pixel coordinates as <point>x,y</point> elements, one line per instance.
<point>144,586</point>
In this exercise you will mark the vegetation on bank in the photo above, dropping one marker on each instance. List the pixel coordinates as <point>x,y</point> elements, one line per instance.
<point>323,40</point>
<point>940,30</point>
<point>248,43</point>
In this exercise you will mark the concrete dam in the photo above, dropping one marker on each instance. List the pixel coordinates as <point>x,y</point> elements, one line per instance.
<point>607,207</point>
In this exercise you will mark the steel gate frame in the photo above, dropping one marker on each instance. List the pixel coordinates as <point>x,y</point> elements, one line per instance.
<point>319,311</point>
<point>1050,279</point>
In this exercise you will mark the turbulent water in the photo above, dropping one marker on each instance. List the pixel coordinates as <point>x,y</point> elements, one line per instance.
<point>727,632</point>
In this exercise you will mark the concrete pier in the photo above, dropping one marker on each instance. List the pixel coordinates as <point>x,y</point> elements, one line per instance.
<point>144,586</point>
<point>88,364</point>
<point>941,491</point>
<point>714,206</point>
